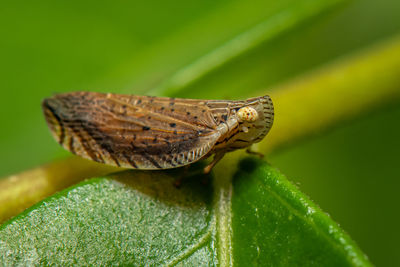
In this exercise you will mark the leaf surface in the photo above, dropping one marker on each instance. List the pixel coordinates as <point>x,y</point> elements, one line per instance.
<point>137,218</point>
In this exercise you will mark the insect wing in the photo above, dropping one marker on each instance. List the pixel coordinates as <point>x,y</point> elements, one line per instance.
<point>132,131</point>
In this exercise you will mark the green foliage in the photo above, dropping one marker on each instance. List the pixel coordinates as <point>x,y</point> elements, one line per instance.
<point>141,218</point>
<point>140,48</point>
<point>106,221</point>
<point>359,183</point>
<point>208,49</point>
<point>276,224</point>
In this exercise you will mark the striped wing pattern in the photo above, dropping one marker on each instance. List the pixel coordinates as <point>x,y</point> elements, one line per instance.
<point>134,131</point>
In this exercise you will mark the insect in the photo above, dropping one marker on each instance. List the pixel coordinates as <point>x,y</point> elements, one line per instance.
<point>145,132</point>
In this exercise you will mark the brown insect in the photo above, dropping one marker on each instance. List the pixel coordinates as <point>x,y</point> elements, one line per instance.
<point>155,132</point>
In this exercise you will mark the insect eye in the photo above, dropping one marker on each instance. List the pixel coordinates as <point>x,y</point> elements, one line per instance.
<point>247,114</point>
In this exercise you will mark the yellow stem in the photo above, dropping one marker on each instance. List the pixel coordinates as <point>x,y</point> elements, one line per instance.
<point>338,92</point>
<point>20,191</point>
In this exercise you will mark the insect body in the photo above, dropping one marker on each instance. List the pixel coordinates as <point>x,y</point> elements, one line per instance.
<point>155,132</point>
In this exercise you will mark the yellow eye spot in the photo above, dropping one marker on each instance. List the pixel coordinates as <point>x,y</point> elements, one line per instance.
<point>247,114</point>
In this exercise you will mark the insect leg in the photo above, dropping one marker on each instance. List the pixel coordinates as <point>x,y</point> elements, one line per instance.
<point>216,158</point>
<point>256,153</point>
<point>179,180</point>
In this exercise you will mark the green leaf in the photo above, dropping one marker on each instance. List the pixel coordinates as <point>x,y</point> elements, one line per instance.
<point>131,220</point>
<point>141,218</point>
<point>274,223</point>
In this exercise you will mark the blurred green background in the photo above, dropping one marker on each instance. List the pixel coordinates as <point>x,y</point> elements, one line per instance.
<point>137,47</point>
